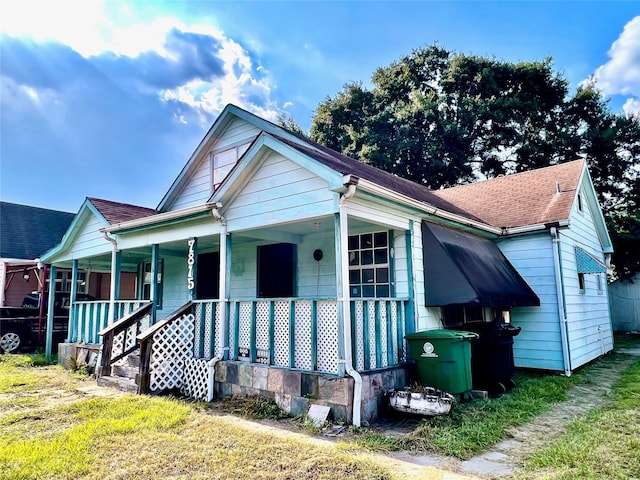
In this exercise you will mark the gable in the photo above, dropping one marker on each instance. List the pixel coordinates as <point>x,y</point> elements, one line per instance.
<point>83,237</point>
<point>586,218</point>
<point>274,184</point>
<point>233,129</point>
<point>195,183</point>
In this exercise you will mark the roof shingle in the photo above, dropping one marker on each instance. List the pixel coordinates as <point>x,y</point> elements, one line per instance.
<point>521,199</point>
<point>115,212</point>
<point>27,232</point>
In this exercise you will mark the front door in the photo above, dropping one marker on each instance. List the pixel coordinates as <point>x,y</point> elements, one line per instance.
<point>208,276</point>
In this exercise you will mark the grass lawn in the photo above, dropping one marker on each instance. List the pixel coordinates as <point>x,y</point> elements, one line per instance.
<point>48,433</point>
<point>605,444</point>
<point>49,430</point>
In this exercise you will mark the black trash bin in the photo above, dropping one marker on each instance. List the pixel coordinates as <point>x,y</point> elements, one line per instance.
<point>492,365</point>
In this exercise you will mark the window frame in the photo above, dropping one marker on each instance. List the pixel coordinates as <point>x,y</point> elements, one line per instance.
<point>265,262</point>
<point>364,263</point>
<point>238,151</point>
<point>143,282</point>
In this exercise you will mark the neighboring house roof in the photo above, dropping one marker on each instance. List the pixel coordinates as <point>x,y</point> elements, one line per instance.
<point>115,212</point>
<point>27,232</point>
<point>540,196</point>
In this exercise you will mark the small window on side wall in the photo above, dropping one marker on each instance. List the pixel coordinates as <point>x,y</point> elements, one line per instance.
<point>581,282</point>
<point>599,280</point>
<point>580,203</point>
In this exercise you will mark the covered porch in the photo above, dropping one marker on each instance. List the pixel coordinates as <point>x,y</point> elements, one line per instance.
<point>321,300</point>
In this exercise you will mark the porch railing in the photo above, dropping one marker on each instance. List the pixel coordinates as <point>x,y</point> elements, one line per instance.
<point>296,333</point>
<point>120,338</point>
<point>301,333</point>
<point>86,319</point>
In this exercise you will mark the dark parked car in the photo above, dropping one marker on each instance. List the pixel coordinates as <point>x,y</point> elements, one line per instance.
<point>19,326</point>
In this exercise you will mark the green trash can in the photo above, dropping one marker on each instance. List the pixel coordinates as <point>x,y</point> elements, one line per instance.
<point>443,358</point>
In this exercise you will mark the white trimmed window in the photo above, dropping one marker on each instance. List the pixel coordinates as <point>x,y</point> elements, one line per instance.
<point>369,267</point>
<point>224,161</point>
<point>63,281</point>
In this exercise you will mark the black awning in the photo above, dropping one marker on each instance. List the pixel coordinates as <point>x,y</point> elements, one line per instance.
<point>462,269</point>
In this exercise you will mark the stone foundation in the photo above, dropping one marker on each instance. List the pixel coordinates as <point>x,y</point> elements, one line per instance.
<point>294,391</point>
<point>73,354</point>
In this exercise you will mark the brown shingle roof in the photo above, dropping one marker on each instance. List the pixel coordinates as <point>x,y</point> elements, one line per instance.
<point>349,166</point>
<point>521,199</point>
<point>115,212</point>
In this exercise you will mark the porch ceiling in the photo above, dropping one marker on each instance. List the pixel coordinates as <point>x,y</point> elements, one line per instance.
<point>294,232</point>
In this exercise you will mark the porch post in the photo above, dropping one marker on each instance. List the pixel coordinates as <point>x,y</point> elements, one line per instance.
<point>72,298</point>
<point>114,287</point>
<point>50,308</point>
<point>153,287</point>
<point>224,285</point>
<point>342,286</point>
<point>410,313</point>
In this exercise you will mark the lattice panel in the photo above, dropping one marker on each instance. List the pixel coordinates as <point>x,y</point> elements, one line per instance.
<point>244,339</point>
<point>262,332</point>
<point>383,334</point>
<point>195,379</point>
<point>172,345</point>
<point>303,335</point>
<point>281,334</point>
<point>359,336</point>
<point>394,330</point>
<point>209,333</point>
<point>124,340</point>
<point>327,337</point>
<point>197,333</point>
<point>371,315</point>
<point>232,329</point>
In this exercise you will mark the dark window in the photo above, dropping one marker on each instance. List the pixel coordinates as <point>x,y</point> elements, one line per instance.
<point>276,270</point>
<point>453,316</point>
<point>208,276</point>
<point>580,207</point>
<point>581,284</point>
<point>457,315</point>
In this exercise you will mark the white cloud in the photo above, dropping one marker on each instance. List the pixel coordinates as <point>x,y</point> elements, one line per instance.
<point>90,29</point>
<point>631,106</point>
<point>621,74</point>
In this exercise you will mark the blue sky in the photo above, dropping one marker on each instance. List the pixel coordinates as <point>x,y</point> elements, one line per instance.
<point>109,99</point>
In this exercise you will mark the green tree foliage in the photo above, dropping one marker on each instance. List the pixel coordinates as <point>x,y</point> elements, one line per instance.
<point>441,119</point>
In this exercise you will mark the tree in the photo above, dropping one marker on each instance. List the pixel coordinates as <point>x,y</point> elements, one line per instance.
<point>441,119</point>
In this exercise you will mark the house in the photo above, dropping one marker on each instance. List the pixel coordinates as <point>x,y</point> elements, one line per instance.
<point>276,266</point>
<point>26,232</point>
<point>554,234</point>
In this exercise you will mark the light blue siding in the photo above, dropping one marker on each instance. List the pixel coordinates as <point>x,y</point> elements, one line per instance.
<point>88,241</point>
<point>589,326</point>
<point>174,288</point>
<point>539,344</point>
<point>280,192</point>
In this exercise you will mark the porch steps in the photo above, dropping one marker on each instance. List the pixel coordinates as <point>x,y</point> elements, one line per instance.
<point>123,375</point>
<point>120,383</point>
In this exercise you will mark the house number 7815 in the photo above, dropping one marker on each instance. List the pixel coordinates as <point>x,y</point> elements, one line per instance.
<point>190,263</point>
